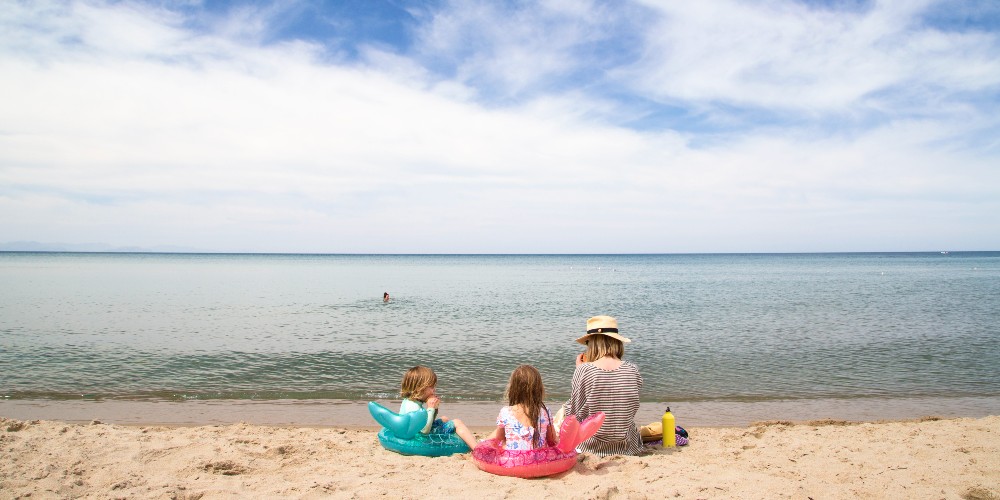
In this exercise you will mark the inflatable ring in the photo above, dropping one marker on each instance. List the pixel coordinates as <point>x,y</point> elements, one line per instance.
<point>401,434</point>
<point>490,457</point>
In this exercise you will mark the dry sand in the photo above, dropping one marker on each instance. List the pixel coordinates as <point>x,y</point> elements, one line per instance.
<point>927,458</point>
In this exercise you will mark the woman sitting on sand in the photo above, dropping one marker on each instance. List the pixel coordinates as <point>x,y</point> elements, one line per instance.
<point>603,382</point>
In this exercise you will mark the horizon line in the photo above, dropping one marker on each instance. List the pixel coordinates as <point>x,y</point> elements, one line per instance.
<point>459,254</point>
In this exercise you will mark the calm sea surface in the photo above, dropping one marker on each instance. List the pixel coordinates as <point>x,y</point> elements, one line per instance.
<point>705,328</point>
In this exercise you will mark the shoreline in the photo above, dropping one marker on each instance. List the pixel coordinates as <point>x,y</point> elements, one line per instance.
<point>350,414</point>
<point>354,414</point>
<point>956,458</point>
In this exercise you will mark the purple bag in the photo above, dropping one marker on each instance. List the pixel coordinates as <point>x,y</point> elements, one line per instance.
<point>681,436</point>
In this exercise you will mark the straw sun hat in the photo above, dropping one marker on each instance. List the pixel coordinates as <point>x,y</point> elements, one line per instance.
<point>602,325</point>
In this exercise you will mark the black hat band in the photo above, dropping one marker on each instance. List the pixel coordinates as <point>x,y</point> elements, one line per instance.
<point>602,330</point>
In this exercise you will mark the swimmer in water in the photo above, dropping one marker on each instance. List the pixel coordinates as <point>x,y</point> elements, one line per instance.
<point>385,297</point>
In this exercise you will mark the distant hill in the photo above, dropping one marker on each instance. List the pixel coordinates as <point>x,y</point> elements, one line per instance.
<point>35,246</point>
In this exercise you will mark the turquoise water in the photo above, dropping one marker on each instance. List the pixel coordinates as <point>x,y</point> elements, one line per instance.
<point>705,328</point>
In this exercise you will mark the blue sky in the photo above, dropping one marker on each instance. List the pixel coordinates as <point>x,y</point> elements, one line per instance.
<point>502,127</point>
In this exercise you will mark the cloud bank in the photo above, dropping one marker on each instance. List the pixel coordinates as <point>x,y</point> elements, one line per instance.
<point>549,126</point>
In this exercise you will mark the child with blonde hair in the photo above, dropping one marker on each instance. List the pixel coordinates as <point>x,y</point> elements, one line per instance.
<point>525,423</point>
<point>418,392</point>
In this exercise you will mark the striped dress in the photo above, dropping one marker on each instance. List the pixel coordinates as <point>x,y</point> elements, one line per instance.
<point>616,393</point>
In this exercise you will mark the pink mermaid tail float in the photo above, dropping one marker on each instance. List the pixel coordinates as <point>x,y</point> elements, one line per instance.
<point>490,457</point>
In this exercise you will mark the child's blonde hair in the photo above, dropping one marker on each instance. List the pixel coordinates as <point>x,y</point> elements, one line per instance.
<point>599,346</point>
<point>525,388</point>
<point>415,381</point>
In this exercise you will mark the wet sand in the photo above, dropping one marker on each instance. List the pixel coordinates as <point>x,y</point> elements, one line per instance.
<point>354,414</point>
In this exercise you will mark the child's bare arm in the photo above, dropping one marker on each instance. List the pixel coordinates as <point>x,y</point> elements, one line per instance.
<point>497,434</point>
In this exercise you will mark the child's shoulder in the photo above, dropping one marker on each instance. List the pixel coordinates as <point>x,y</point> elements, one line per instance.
<point>409,405</point>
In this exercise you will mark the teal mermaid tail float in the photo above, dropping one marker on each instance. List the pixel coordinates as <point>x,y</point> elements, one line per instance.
<point>401,434</point>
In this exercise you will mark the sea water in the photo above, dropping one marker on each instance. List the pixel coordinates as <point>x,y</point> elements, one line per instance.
<point>753,328</point>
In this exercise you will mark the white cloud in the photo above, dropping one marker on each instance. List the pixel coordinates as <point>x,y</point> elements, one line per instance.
<point>121,125</point>
<point>510,51</point>
<point>786,55</point>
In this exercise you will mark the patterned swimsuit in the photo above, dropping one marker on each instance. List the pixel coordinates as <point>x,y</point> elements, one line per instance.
<point>519,436</point>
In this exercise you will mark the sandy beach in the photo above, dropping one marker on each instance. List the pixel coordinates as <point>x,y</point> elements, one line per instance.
<point>925,458</point>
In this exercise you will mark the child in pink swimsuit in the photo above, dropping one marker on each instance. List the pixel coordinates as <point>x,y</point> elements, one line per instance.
<point>525,423</point>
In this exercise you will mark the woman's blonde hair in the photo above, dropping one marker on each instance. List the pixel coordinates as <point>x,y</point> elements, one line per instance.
<point>525,388</point>
<point>415,381</point>
<point>599,346</point>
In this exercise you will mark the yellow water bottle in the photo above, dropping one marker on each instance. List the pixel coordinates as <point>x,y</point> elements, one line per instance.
<point>669,441</point>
